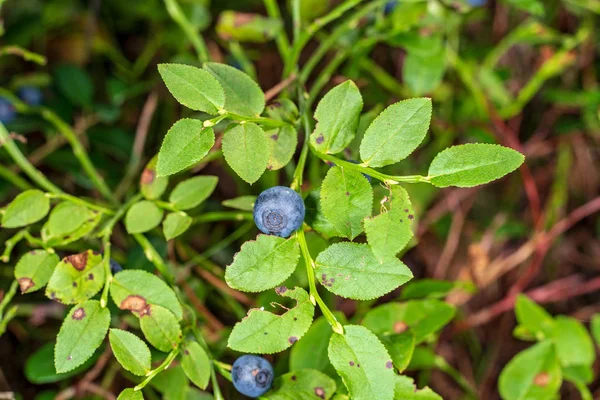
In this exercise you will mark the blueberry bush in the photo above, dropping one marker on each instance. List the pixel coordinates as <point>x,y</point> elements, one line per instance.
<point>221,200</point>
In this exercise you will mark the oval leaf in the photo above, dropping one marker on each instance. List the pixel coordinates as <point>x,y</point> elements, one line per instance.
<point>135,289</point>
<point>34,269</point>
<point>242,94</point>
<point>68,223</point>
<point>191,192</point>
<point>142,217</point>
<point>193,87</point>
<point>130,351</point>
<point>185,144</point>
<point>346,199</point>
<point>76,278</point>
<point>396,132</point>
<point>283,142</point>
<point>80,335</point>
<point>151,185</point>
<point>363,363</point>
<point>246,150</point>
<point>263,263</point>
<point>244,203</point>
<point>27,208</point>
<point>196,364</point>
<point>305,384</point>
<point>337,115</point>
<point>573,343</point>
<point>130,394</point>
<point>262,332</point>
<point>351,270</point>
<point>473,164</point>
<point>175,224</point>
<point>160,327</point>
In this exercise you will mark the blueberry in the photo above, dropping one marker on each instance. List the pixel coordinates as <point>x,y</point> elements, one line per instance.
<point>390,6</point>
<point>279,211</point>
<point>115,267</point>
<point>252,375</point>
<point>7,111</point>
<point>476,3</point>
<point>31,95</point>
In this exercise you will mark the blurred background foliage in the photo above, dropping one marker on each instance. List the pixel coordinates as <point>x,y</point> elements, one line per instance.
<point>518,73</point>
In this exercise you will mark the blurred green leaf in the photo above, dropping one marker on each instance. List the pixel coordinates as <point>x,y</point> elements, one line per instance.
<point>142,217</point>
<point>28,207</point>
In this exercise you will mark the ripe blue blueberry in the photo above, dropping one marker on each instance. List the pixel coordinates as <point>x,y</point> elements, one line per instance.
<point>7,111</point>
<point>390,6</point>
<point>31,95</point>
<point>115,267</point>
<point>279,211</point>
<point>252,375</point>
<point>476,3</point>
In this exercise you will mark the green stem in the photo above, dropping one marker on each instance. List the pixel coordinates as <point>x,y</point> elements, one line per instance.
<point>80,152</point>
<point>9,244</point>
<point>109,226</point>
<point>224,369</point>
<point>314,294</point>
<point>280,39</point>
<point>215,385</point>
<point>197,41</point>
<point>155,258</point>
<point>223,216</point>
<point>81,202</point>
<point>23,53</point>
<point>454,374</point>
<point>166,206</point>
<point>387,179</point>
<point>10,314</point>
<point>23,163</point>
<point>8,296</point>
<point>259,120</point>
<point>325,76</point>
<point>14,178</point>
<point>299,172</point>
<point>165,364</point>
<point>200,258</point>
<point>37,242</point>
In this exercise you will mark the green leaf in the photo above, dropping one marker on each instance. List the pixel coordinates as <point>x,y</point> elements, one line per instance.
<point>262,332</point>
<point>130,351</point>
<point>76,278</point>
<point>579,373</point>
<point>390,231</point>
<point>142,217</point>
<point>363,363</point>
<point>185,144</point>
<point>423,317</point>
<point>283,110</point>
<point>151,185</point>
<point>405,389</point>
<point>315,217</point>
<point>130,394</point>
<point>68,222</point>
<point>196,364</point>
<point>172,383</point>
<point>396,132</point>
<point>160,327</point>
<point>311,350</point>
<point>423,358</point>
<point>193,87</point>
<point>573,343</point>
<point>246,150</point>
<point>423,73</point>
<point>263,263</point>
<point>39,367</point>
<point>282,146</point>
<point>242,94</point>
<point>337,115</point>
<point>346,199</point>
<point>81,333</point>
<point>191,192</point>
<point>401,347</point>
<point>304,384</point>
<point>351,270</point>
<point>595,328</point>
<point>28,207</point>
<point>534,7</point>
<point>246,27</point>
<point>532,374</point>
<point>135,289</point>
<point>34,269</point>
<point>75,84</point>
<point>175,224</point>
<point>433,289</point>
<point>244,203</point>
<point>534,318</point>
<point>473,164</point>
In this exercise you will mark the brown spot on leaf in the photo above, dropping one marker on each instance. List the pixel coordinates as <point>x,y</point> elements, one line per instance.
<point>280,290</point>
<point>78,261</point>
<point>406,210</point>
<point>292,339</point>
<point>25,284</point>
<point>400,326</point>
<point>148,176</point>
<point>74,284</point>
<point>187,352</point>
<point>33,252</point>
<point>53,295</point>
<point>293,377</point>
<point>275,137</point>
<point>347,193</point>
<point>91,277</point>
<point>136,304</point>
<point>389,365</point>
<point>69,358</point>
<point>320,392</point>
<point>320,139</point>
<point>541,379</point>
<point>79,314</point>
<point>351,363</point>
<point>410,216</point>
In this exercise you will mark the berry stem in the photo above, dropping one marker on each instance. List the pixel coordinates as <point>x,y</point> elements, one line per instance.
<point>269,122</point>
<point>165,364</point>
<point>314,294</point>
<point>81,202</point>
